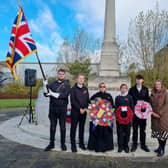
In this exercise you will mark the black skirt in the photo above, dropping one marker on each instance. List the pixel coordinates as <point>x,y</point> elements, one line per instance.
<point>100,138</point>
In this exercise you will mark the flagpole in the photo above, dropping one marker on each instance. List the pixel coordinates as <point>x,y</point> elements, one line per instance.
<point>41,68</point>
<point>19,3</point>
<point>42,71</point>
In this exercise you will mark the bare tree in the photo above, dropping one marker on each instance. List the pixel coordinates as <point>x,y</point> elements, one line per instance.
<point>123,56</point>
<point>147,34</point>
<point>80,48</point>
<point>82,45</point>
<point>65,52</point>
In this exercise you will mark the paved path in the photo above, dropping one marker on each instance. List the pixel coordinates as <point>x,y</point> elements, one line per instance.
<point>17,155</point>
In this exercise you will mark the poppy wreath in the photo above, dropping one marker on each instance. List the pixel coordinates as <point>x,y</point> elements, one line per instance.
<point>124,115</point>
<point>100,112</point>
<point>143,110</point>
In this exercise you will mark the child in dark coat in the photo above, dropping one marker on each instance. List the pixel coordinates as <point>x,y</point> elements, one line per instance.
<point>123,130</point>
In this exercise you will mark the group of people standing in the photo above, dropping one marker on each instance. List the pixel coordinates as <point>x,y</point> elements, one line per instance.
<point>101,137</point>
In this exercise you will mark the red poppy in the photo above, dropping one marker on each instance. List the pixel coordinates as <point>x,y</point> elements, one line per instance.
<point>128,115</point>
<point>100,112</point>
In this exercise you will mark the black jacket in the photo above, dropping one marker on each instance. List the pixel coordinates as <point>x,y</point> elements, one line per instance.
<point>79,97</point>
<point>142,95</point>
<point>104,95</point>
<point>124,100</point>
<point>63,88</point>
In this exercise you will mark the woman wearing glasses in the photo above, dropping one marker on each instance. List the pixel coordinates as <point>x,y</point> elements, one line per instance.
<point>101,137</point>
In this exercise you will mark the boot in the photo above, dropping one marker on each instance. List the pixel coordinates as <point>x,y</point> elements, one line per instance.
<point>134,148</point>
<point>145,148</point>
<point>161,152</point>
<point>120,150</point>
<point>63,147</point>
<point>82,146</point>
<point>162,149</point>
<point>73,148</point>
<point>126,149</point>
<point>158,149</point>
<point>49,147</point>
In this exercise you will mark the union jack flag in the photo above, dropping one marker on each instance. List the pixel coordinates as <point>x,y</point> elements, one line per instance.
<point>21,43</point>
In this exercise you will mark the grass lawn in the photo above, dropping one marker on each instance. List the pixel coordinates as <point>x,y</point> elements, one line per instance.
<point>13,103</point>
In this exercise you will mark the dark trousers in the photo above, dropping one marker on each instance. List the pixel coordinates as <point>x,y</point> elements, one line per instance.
<point>76,118</point>
<point>55,116</point>
<point>123,134</point>
<point>139,123</point>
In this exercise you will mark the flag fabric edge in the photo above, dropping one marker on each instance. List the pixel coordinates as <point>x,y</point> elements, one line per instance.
<point>10,59</point>
<point>12,69</point>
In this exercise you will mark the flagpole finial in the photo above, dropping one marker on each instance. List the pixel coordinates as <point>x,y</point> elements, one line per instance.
<point>19,3</point>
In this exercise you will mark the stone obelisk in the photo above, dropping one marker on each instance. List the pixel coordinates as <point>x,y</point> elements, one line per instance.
<point>109,71</point>
<point>109,54</point>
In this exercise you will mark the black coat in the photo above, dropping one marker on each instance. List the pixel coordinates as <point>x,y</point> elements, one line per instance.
<point>104,95</point>
<point>79,97</point>
<point>124,100</point>
<point>142,95</point>
<point>63,88</point>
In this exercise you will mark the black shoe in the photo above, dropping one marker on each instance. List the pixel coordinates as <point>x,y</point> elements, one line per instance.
<point>82,146</point>
<point>63,147</point>
<point>160,153</point>
<point>90,148</point>
<point>134,148</point>
<point>120,150</point>
<point>74,149</point>
<point>157,150</point>
<point>145,148</point>
<point>49,147</point>
<point>126,149</point>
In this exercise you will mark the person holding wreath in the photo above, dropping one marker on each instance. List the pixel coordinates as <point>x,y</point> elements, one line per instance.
<point>139,92</point>
<point>159,102</point>
<point>124,114</point>
<point>100,112</point>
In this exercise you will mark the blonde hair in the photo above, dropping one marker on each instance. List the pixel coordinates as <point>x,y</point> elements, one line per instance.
<point>80,75</point>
